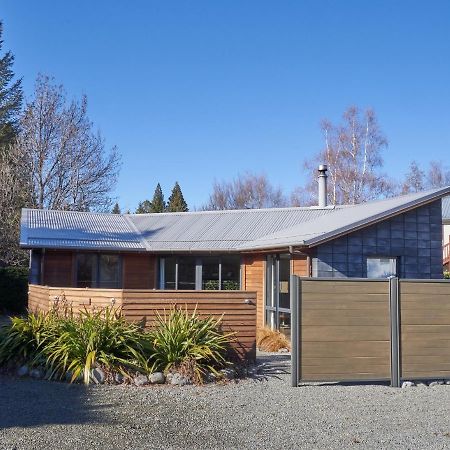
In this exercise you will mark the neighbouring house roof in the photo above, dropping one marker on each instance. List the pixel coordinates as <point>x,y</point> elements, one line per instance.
<point>208,231</point>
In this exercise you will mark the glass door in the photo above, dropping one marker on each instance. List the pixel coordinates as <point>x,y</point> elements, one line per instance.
<point>278,308</point>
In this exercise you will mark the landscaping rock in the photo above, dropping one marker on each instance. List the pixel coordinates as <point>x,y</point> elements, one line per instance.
<point>422,385</point>
<point>98,375</point>
<point>407,384</point>
<point>176,379</point>
<point>36,373</point>
<point>283,350</point>
<point>228,373</point>
<point>140,380</point>
<point>22,371</point>
<point>157,378</point>
<point>209,377</point>
<point>447,382</point>
<point>436,383</point>
<point>118,378</point>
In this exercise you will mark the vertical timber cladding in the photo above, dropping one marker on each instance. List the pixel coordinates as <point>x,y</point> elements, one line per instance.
<point>253,276</point>
<point>58,268</point>
<point>139,271</point>
<point>425,329</point>
<point>344,330</point>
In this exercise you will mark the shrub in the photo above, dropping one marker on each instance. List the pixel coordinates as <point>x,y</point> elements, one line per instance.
<point>271,340</point>
<point>13,289</point>
<point>184,340</point>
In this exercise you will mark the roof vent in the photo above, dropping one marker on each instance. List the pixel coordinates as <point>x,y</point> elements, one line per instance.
<point>322,180</point>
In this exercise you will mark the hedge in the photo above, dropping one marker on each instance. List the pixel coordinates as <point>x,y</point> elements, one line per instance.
<point>13,289</point>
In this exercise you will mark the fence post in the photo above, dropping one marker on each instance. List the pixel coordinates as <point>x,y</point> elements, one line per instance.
<point>395,328</point>
<point>295,329</point>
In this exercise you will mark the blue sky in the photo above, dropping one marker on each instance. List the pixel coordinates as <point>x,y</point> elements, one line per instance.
<point>201,90</point>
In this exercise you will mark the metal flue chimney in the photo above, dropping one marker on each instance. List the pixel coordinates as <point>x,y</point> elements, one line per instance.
<point>322,180</point>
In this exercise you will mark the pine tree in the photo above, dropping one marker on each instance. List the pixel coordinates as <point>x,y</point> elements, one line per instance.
<point>158,204</point>
<point>10,97</point>
<point>176,201</point>
<point>144,207</point>
<point>116,209</point>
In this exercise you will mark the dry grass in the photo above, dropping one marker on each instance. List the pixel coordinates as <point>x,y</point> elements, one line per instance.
<point>269,340</point>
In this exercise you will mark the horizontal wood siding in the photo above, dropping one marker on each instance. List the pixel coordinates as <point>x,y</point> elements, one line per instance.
<point>38,298</point>
<point>425,329</point>
<point>238,315</point>
<point>299,266</point>
<point>345,332</point>
<point>139,271</point>
<point>253,276</point>
<point>237,307</point>
<point>58,268</point>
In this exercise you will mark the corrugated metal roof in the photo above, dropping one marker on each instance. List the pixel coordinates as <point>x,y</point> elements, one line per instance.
<point>446,209</point>
<point>70,229</point>
<point>209,231</point>
<point>166,232</point>
<point>344,220</point>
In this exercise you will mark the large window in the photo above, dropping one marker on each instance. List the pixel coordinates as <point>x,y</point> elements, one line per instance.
<point>201,273</point>
<point>379,267</point>
<point>98,270</point>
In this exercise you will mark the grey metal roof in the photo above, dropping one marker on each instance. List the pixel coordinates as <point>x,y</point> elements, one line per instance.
<point>208,231</point>
<point>345,220</point>
<point>446,209</point>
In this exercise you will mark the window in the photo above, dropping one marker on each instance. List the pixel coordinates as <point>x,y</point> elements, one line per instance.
<point>206,273</point>
<point>98,270</point>
<point>379,267</point>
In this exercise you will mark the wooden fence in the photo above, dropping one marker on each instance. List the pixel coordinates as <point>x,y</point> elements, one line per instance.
<point>237,307</point>
<point>361,329</point>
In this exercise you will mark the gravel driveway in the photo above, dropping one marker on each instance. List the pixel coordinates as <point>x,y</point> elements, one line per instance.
<point>255,413</point>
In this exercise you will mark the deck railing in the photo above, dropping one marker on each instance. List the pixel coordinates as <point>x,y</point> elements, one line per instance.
<point>446,253</point>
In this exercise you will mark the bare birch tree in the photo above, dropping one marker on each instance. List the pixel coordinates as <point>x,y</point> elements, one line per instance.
<point>66,161</point>
<point>417,179</point>
<point>247,191</point>
<point>353,152</point>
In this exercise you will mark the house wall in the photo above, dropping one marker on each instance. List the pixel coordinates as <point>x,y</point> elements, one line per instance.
<point>414,237</point>
<point>139,271</point>
<point>57,268</point>
<point>253,279</point>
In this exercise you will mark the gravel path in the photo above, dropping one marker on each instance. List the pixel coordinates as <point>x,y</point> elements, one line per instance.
<point>255,413</point>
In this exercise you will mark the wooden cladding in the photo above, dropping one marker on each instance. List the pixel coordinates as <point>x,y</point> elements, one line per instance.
<point>58,268</point>
<point>237,307</point>
<point>425,329</point>
<point>139,271</point>
<point>344,330</point>
<point>253,276</point>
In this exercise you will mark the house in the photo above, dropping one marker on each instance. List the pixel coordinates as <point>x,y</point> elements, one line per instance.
<point>446,232</point>
<point>251,250</point>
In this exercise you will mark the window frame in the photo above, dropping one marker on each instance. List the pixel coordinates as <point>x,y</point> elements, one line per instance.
<point>96,279</point>
<point>379,257</point>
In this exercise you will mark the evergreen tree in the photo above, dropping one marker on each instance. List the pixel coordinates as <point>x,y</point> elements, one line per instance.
<point>158,204</point>
<point>144,207</point>
<point>10,98</point>
<point>176,201</point>
<point>116,209</point>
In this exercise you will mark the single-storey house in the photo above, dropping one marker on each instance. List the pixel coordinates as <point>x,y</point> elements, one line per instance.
<point>254,250</point>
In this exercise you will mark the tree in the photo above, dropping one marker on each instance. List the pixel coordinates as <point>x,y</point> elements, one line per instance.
<point>247,191</point>
<point>116,209</point>
<point>10,98</point>
<point>144,207</point>
<point>414,179</point>
<point>158,204</point>
<point>353,153</point>
<point>66,160</point>
<point>176,201</point>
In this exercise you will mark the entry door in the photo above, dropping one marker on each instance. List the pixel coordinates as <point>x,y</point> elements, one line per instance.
<point>278,308</point>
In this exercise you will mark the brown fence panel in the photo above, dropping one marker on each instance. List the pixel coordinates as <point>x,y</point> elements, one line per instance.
<point>38,298</point>
<point>237,307</point>
<point>425,328</point>
<point>344,330</point>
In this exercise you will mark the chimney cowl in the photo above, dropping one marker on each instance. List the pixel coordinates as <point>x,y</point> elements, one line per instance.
<point>323,168</point>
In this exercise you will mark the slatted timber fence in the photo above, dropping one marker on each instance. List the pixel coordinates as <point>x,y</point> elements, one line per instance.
<point>237,307</point>
<point>366,329</point>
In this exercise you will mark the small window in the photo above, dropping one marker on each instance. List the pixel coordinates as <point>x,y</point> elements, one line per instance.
<point>108,272</point>
<point>379,267</point>
<point>86,270</point>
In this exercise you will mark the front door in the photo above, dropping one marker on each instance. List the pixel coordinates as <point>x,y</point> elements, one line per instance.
<point>278,307</point>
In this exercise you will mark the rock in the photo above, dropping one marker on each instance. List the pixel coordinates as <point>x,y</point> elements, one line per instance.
<point>98,375</point>
<point>447,382</point>
<point>119,378</point>
<point>157,378</point>
<point>22,371</point>
<point>407,384</point>
<point>36,373</point>
<point>178,380</point>
<point>228,373</point>
<point>422,385</point>
<point>283,350</point>
<point>209,377</point>
<point>435,383</point>
<point>140,380</point>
